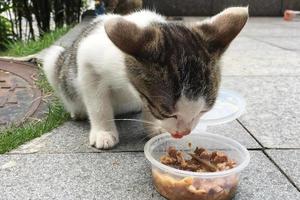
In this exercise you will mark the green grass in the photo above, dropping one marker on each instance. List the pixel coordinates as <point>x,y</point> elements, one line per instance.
<point>13,136</point>
<point>21,48</point>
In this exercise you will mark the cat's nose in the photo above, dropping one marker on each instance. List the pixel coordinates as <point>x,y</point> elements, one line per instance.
<point>180,134</point>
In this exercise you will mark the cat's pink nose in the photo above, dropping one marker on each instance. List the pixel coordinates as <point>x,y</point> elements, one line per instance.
<point>180,134</point>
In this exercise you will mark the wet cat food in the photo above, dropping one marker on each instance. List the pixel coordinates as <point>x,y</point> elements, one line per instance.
<point>200,160</point>
<point>194,188</point>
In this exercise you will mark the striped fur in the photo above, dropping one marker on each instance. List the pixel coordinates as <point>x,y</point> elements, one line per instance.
<point>125,63</point>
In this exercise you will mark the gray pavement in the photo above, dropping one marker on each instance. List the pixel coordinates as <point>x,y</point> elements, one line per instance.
<point>263,65</point>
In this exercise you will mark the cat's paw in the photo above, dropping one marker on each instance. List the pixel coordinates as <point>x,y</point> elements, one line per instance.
<point>103,139</point>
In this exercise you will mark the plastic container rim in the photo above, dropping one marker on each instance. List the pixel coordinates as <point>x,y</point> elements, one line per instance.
<point>241,105</point>
<point>234,170</point>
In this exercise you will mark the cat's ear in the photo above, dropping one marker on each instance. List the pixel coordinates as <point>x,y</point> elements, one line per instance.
<point>130,38</point>
<point>222,28</point>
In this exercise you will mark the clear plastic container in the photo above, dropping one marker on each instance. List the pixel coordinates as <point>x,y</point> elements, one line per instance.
<point>175,184</point>
<point>228,107</point>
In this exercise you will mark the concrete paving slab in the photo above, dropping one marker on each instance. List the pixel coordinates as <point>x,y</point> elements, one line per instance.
<point>263,27</point>
<point>262,180</point>
<point>289,162</point>
<point>76,176</point>
<point>273,104</point>
<point>271,27</point>
<point>266,46</point>
<point>250,57</point>
<point>285,43</point>
<point>116,176</point>
<point>73,137</point>
<point>235,131</point>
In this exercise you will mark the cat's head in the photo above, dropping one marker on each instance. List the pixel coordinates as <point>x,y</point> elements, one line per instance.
<point>175,67</point>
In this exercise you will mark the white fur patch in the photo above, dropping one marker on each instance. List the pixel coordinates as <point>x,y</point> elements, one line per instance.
<point>49,63</point>
<point>103,57</point>
<point>103,82</point>
<point>188,114</point>
<point>188,109</point>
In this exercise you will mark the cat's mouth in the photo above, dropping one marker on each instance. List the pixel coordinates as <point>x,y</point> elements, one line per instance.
<point>179,135</point>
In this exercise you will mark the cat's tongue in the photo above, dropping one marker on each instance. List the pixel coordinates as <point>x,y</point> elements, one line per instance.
<point>177,136</point>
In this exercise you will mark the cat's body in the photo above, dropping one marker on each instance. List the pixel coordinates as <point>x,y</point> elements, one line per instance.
<point>73,63</point>
<point>123,64</point>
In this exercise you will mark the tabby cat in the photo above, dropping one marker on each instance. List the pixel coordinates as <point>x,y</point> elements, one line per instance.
<point>143,62</point>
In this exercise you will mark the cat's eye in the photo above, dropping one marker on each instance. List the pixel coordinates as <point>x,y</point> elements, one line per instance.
<point>173,116</point>
<point>165,115</point>
<point>158,114</point>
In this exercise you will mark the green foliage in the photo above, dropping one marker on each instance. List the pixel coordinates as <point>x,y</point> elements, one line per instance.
<point>19,19</point>
<point>21,48</point>
<point>6,35</point>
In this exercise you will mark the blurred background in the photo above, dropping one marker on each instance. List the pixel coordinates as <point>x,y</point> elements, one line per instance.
<point>262,65</point>
<point>30,19</point>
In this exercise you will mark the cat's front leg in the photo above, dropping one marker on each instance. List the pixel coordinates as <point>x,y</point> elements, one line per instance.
<point>103,134</point>
<point>96,96</point>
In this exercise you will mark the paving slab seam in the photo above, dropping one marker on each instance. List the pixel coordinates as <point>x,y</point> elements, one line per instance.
<point>66,153</point>
<point>262,146</point>
<point>246,129</point>
<point>95,152</point>
<point>281,149</point>
<point>273,45</point>
<point>273,36</point>
<point>267,76</point>
<point>281,170</point>
<point>254,149</point>
<point>267,155</point>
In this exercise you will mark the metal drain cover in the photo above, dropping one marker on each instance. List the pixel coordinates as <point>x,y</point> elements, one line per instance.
<point>19,96</point>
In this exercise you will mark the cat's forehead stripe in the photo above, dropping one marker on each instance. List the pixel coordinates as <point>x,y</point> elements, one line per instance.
<point>185,52</point>
<point>179,66</point>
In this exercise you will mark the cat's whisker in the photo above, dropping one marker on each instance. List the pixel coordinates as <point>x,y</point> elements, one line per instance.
<point>135,120</point>
<point>165,93</point>
<point>146,124</point>
<point>143,139</point>
<point>148,136</point>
